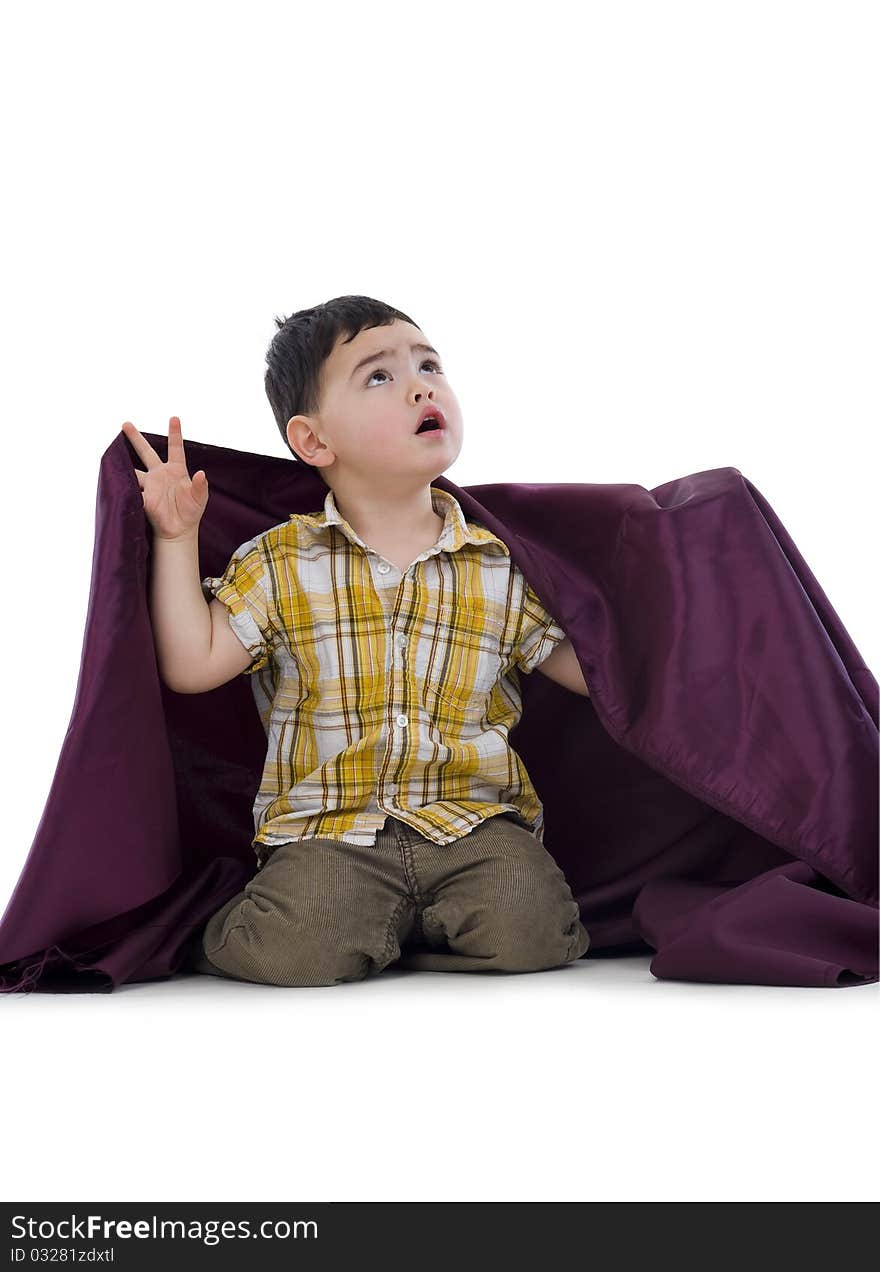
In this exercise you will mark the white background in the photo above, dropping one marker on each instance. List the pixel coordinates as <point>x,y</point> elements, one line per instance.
<point>643,238</point>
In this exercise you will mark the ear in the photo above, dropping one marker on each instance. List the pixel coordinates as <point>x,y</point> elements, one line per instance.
<point>306,443</point>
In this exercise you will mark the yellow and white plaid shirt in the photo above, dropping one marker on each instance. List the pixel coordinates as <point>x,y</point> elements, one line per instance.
<point>385,691</point>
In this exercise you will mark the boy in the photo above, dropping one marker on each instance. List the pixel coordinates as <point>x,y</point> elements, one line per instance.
<point>385,635</point>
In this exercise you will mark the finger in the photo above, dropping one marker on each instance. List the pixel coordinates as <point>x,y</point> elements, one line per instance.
<point>176,451</point>
<point>141,445</point>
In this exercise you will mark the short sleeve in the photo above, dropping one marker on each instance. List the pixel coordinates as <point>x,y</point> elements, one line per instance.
<point>538,634</point>
<point>244,589</point>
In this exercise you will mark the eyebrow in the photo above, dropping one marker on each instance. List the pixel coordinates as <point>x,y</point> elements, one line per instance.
<point>387,353</point>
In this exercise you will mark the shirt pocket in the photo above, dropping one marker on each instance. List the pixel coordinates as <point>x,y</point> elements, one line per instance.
<point>466,664</point>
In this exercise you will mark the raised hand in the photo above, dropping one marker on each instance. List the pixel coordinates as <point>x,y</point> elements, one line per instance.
<point>173,502</point>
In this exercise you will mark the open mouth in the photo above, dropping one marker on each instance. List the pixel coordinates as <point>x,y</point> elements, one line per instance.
<point>430,425</point>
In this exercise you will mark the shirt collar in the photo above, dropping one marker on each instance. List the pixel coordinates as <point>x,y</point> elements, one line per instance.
<point>456,529</point>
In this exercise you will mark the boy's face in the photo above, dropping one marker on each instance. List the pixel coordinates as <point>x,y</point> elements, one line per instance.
<point>369,414</point>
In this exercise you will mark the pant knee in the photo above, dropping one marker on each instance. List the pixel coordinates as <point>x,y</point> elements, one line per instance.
<point>298,960</point>
<point>551,938</point>
<point>520,940</point>
<point>533,955</point>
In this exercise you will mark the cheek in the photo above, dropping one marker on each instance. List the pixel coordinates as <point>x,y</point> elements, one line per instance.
<point>385,432</point>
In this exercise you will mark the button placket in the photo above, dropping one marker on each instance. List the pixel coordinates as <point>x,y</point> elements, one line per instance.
<point>399,643</point>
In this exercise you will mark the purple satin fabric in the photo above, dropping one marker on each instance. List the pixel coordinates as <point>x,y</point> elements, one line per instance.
<point>713,803</point>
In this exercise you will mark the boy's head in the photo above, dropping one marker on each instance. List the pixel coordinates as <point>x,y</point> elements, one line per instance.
<point>347,419</point>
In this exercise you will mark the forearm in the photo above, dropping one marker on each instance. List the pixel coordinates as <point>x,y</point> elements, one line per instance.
<point>179,612</point>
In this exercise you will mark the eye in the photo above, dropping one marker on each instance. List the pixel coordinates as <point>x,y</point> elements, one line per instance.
<point>429,362</point>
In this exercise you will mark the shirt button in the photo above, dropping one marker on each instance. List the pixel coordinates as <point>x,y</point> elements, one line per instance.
<point>401,639</point>
<point>391,788</point>
<point>383,567</point>
<point>402,721</point>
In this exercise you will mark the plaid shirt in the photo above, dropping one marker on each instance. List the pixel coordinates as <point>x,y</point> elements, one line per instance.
<point>381,691</point>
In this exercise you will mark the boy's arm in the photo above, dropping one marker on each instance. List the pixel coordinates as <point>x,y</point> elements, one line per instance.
<point>538,633</point>
<point>563,667</point>
<point>195,647</point>
<point>179,613</point>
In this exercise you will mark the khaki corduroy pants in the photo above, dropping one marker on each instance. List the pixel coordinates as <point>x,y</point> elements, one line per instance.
<point>323,911</point>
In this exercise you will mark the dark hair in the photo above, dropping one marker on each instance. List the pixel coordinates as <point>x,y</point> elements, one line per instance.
<point>302,345</point>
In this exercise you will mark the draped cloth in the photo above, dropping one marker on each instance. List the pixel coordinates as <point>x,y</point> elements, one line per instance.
<point>713,803</point>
